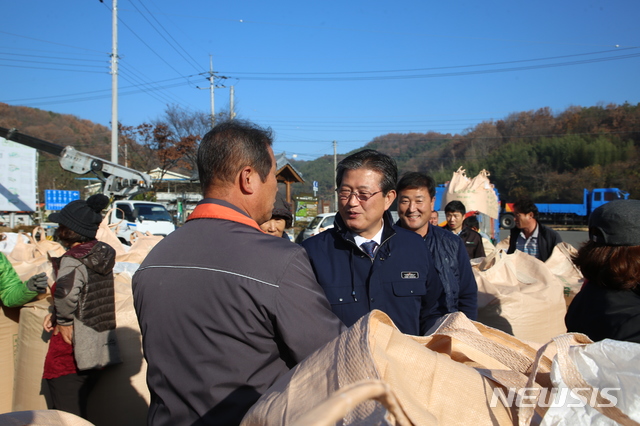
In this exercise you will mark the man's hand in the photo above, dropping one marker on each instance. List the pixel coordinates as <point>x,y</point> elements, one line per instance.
<point>66,331</point>
<point>38,283</point>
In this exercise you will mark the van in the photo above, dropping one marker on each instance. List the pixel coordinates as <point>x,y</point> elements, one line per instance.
<point>320,223</point>
<point>142,216</point>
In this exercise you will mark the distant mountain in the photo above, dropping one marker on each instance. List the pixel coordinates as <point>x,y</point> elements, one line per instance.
<point>548,157</point>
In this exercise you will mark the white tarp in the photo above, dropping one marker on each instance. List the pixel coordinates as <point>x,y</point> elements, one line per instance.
<point>17,177</point>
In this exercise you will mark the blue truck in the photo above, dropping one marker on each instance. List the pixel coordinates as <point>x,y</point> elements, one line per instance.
<point>567,214</point>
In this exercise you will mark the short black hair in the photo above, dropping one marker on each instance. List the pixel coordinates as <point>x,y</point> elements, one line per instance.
<point>415,180</point>
<point>372,160</point>
<point>525,205</point>
<point>229,147</point>
<point>455,206</point>
<point>471,222</point>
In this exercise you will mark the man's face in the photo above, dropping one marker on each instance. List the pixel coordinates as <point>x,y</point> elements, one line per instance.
<point>363,217</point>
<point>267,192</point>
<point>434,218</point>
<point>454,221</point>
<point>414,209</point>
<point>274,226</point>
<point>523,220</point>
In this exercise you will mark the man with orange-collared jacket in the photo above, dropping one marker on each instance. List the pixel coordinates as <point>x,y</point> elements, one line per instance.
<point>224,308</point>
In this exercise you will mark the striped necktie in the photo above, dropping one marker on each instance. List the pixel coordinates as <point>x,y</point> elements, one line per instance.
<point>369,248</point>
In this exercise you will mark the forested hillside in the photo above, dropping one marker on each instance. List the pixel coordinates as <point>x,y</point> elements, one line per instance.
<point>536,153</point>
<point>547,156</point>
<point>61,129</point>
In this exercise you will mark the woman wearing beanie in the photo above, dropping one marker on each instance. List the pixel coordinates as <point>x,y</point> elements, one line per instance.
<point>608,305</point>
<point>281,219</point>
<point>83,320</point>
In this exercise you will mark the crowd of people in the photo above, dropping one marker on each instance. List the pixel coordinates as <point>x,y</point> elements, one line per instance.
<point>225,309</point>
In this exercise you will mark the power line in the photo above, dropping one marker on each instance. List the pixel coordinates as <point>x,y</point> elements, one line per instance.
<point>449,74</point>
<point>53,69</point>
<point>196,66</point>
<point>52,42</point>
<point>52,57</point>
<point>108,91</point>
<point>145,43</point>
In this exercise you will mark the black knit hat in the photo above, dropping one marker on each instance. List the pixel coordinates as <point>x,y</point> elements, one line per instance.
<point>282,209</point>
<point>616,223</point>
<point>82,216</point>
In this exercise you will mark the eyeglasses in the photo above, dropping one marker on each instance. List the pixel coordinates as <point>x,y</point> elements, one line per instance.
<point>345,194</point>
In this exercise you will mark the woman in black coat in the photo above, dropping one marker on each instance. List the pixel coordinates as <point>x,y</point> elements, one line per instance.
<point>608,305</point>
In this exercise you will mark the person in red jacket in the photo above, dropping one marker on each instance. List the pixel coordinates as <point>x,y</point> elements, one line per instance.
<point>83,321</point>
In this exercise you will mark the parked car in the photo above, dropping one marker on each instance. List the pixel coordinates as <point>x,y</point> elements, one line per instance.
<point>320,223</point>
<point>324,221</point>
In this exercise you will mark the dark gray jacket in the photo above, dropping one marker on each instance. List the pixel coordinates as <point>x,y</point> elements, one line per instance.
<point>224,310</point>
<point>454,270</point>
<point>84,297</point>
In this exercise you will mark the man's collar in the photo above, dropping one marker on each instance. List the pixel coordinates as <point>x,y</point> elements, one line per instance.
<point>534,234</point>
<point>377,238</point>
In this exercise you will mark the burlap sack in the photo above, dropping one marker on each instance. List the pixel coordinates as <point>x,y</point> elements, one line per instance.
<point>44,246</point>
<point>23,250</point>
<point>445,378</point>
<point>107,234</point>
<point>475,194</point>
<point>121,397</point>
<point>8,343</point>
<point>140,247</point>
<point>561,265</point>
<point>29,388</point>
<point>41,418</point>
<point>518,294</point>
<point>604,379</point>
<point>8,241</point>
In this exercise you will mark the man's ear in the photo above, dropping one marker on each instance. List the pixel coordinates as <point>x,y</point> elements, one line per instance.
<point>388,199</point>
<point>247,178</point>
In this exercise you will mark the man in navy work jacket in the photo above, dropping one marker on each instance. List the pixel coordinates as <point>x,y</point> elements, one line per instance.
<point>416,197</point>
<point>365,262</point>
<point>224,308</point>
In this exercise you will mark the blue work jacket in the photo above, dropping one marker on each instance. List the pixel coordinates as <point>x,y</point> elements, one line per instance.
<point>400,280</point>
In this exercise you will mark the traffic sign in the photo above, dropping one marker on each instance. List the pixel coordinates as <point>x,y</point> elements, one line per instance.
<point>56,199</point>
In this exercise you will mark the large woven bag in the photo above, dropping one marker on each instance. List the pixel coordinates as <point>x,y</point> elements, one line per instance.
<point>447,378</point>
<point>518,294</point>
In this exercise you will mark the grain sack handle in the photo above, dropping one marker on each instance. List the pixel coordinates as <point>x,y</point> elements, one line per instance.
<point>337,406</point>
<point>510,358</point>
<point>105,220</point>
<point>37,236</point>
<point>574,380</point>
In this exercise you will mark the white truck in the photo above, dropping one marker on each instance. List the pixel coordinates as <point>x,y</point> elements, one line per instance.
<point>117,182</point>
<point>141,216</point>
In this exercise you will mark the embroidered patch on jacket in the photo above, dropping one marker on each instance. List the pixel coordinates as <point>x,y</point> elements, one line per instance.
<point>410,275</point>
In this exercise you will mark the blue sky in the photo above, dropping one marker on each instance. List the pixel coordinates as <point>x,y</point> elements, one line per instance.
<point>321,71</point>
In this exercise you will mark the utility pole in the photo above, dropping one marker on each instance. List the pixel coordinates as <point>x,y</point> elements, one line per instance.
<point>211,89</point>
<point>335,173</point>
<point>212,86</point>
<point>212,76</point>
<point>232,113</point>
<point>114,84</point>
